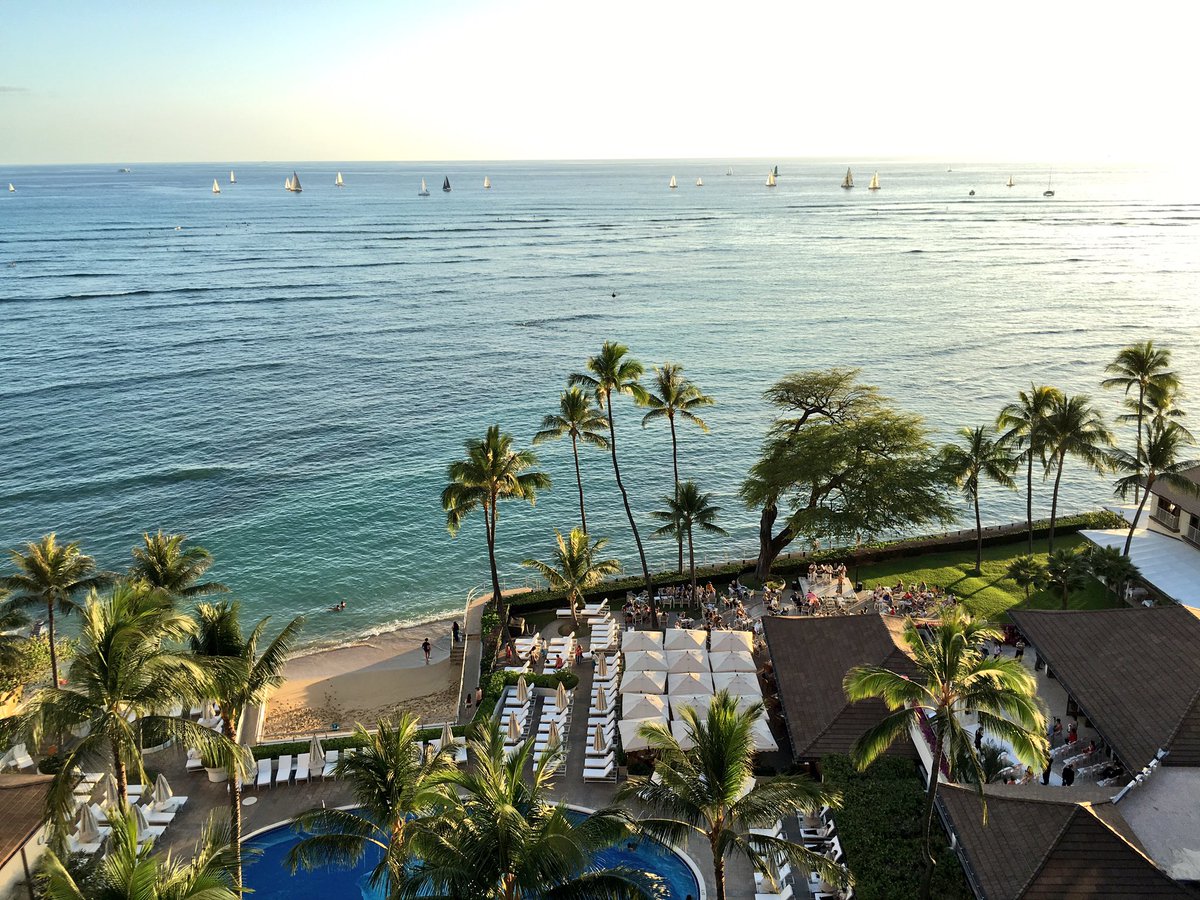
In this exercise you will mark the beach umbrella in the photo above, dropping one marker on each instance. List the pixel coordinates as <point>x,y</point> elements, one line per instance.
<point>631,739</point>
<point>108,796</point>
<point>679,731</point>
<point>514,728</point>
<point>644,706</point>
<point>698,702</point>
<point>684,639</point>
<point>560,697</point>
<point>725,641</point>
<point>642,640</point>
<point>690,683</point>
<point>143,823</point>
<point>88,831</point>
<point>315,750</point>
<point>522,690</point>
<point>679,661</point>
<point>162,791</point>
<point>734,661</point>
<point>602,665</point>
<point>645,661</point>
<point>553,738</point>
<point>447,736</point>
<point>602,701</point>
<point>739,684</point>
<point>644,683</point>
<point>598,741</point>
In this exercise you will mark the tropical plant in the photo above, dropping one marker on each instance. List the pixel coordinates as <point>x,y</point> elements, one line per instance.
<point>676,397</point>
<point>1027,572</point>
<point>133,871</point>
<point>1073,427</point>
<point>1024,424</point>
<point>610,373</point>
<point>980,455</point>
<point>163,562</point>
<point>503,838</point>
<point>686,511</point>
<point>395,785</point>
<point>1067,571</point>
<point>710,791</point>
<point>242,677</point>
<point>52,575</point>
<point>11,619</point>
<point>1114,567</point>
<point>492,471</point>
<point>1143,367</point>
<point>576,567</point>
<point>1158,459</point>
<point>126,678</point>
<point>578,419</point>
<point>953,674</point>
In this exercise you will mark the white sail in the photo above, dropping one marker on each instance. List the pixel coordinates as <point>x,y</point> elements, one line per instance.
<point>11,189</point>
<point>874,185</point>
<point>673,184</point>
<point>730,171</point>
<point>1010,182</point>
<point>232,177</point>
<point>424,192</point>
<point>848,181</point>
<point>699,182</point>
<point>338,181</point>
<point>216,187</point>
<point>487,182</point>
<point>287,184</point>
<point>771,178</point>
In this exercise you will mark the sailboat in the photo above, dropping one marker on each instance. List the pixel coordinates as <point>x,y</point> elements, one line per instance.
<point>874,185</point>
<point>1049,191</point>
<point>729,171</point>
<point>337,182</point>
<point>232,177</point>
<point>771,178</point>
<point>672,185</point>
<point>775,171</point>
<point>446,184</point>
<point>699,182</point>
<point>848,181</point>
<point>11,189</point>
<point>1010,182</point>
<point>287,184</point>
<point>216,187</point>
<point>424,192</point>
<point>293,184</point>
<point>487,183</point>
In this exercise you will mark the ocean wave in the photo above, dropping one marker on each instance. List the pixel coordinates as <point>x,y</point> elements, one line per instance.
<point>107,486</point>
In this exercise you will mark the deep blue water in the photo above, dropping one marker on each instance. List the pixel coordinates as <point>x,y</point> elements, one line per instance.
<point>285,377</point>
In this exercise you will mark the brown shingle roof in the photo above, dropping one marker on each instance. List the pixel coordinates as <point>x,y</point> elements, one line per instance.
<point>23,801</point>
<point>812,656</point>
<point>1047,850</point>
<point>1134,672</point>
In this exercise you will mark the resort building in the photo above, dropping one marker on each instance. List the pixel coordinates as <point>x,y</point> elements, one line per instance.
<point>22,831</point>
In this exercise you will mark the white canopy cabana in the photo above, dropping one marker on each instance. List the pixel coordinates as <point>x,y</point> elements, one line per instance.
<point>644,683</point>
<point>732,661</point>
<point>641,640</point>
<point>680,661</point>
<point>763,739</point>
<point>644,706</point>
<point>738,683</point>
<point>726,641</point>
<point>1167,563</point>
<point>645,661</point>
<point>690,683</point>
<point>630,739</point>
<point>684,639</point>
<point>698,702</point>
<point>679,731</point>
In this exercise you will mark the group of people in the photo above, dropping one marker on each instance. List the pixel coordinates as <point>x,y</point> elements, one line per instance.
<point>828,573</point>
<point>918,599</point>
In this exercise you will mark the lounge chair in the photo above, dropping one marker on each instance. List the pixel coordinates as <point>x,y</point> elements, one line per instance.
<point>600,770</point>
<point>157,816</point>
<point>785,894</point>
<point>284,774</point>
<point>264,773</point>
<point>74,846</point>
<point>331,761</point>
<point>19,758</point>
<point>302,767</point>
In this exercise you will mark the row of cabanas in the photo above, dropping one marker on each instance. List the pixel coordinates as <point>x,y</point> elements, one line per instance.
<point>688,639</point>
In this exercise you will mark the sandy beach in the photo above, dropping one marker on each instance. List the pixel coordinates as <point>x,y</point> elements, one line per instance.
<point>365,681</point>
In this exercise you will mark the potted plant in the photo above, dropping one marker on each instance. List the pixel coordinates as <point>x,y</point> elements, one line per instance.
<point>216,773</point>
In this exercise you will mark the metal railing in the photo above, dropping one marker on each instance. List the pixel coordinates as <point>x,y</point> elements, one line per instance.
<point>1165,517</point>
<point>1193,534</point>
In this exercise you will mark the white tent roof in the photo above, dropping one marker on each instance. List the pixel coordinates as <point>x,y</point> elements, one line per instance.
<point>644,683</point>
<point>685,639</point>
<point>687,661</point>
<point>700,702</point>
<point>645,661</point>
<point>1169,564</point>
<point>763,739</point>
<point>643,706</point>
<point>630,739</point>
<point>743,684</point>
<point>679,731</point>
<point>642,640</point>
<point>690,683</point>
<point>731,640</point>
<point>733,661</point>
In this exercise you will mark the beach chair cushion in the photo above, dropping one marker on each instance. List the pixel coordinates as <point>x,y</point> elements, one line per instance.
<point>302,767</point>
<point>264,773</point>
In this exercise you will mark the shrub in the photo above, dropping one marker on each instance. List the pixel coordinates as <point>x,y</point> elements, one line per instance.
<point>31,661</point>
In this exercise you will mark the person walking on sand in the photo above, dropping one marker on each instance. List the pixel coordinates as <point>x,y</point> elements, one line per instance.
<point>455,629</point>
<point>428,648</point>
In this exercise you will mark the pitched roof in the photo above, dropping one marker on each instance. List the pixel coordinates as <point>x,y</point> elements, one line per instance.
<point>1134,672</point>
<point>812,656</point>
<point>1189,502</point>
<point>23,799</point>
<point>1047,850</point>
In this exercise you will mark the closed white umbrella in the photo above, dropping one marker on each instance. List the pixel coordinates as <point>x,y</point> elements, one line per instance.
<point>690,683</point>
<point>642,640</point>
<point>598,741</point>
<point>447,736</point>
<point>522,690</point>
<point>602,665</point>
<point>684,639</point>
<point>679,661</point>
<point>108,796</point>
<point>602,701</point>
<point>732,661</point>
<point>631,739</point>
<point>553,738</point>
<point>645,661</point>
<point>643,706</point>
<point>162,790</point>
<point>315,750</point>
<point>560,696</point>
<point>644,683</point>
<point>89,829</point>
<point>731,640</point>
<point>514,728</point>
<point>143,823</point>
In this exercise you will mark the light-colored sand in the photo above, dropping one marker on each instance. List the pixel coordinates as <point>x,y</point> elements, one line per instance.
<point>365,681</point>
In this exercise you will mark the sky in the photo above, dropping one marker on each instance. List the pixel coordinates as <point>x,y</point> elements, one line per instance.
<point>170,81</point>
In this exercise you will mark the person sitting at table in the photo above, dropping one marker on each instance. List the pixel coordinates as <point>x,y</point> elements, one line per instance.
<point>558,661</point>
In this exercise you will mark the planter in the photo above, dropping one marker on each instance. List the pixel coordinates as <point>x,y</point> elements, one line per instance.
<point>216,776</point>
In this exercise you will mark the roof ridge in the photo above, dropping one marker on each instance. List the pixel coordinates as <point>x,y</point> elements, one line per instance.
<point>1050,847</point>
<point>1183,718</point>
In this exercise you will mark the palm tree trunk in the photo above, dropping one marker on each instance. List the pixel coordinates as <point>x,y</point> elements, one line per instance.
<point>637,538</point>
<point>1062,458</point>
<point>930,795</point>
<point>50,633</point>
<point>1029,499</point>
<point>675,466</point>
<point>579,482</point>
<point>692,560</point>
<point>120,774</point>
<point>1137,515</point>
<point>718,871</point>
<point>1141,400</point>
<point>497,598</point>
<point>978,536</point>
<point>235,809</point>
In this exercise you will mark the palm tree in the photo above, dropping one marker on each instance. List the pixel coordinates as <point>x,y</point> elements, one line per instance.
<point>1027,572</point>
<point>244,677</point>
<point>954,674</point>
<point>163,563</point>
<point>1114,567</point>
<point>581,421</point>
<point>1157,460</point>
<point>686,511</point>
<point>677,397</point>
<point>1144,367</point>
<point>705,791</point>
<point>576,567</point>
<point>1025,422</point>
<point>503,838</point>
<point>394,784</point>
<point>1073,427</point>
<point>1067,571</point>
<point>492,471</point>
<point>130,871</point>
<point>981,455</point>
<point>610,373</point>
<point>125,673</point>
<point>51,574</point>
<point>11,619</point>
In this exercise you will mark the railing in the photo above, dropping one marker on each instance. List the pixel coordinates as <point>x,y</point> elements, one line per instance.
<point>1193,534</point>
<point>1165,517</point>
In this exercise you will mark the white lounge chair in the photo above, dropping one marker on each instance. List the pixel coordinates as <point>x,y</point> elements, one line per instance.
<point>601,770</point>
<point>331,761</point>
<point>264,773</point>
<point>785,894</point>
<point>284,775</point>
<point>157,816</point>
<point>74,846</point>
<point>302,767</point>
<point>19,757</point>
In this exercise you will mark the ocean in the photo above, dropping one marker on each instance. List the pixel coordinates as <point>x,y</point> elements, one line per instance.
<point>284,377</point>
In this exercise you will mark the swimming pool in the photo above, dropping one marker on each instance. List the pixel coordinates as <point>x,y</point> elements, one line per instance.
<point>268,876</point>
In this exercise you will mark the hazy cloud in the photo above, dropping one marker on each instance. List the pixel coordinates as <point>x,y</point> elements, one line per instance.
<point>13,89</point>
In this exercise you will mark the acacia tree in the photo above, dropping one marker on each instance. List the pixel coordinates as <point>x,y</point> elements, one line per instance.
<point>839,462</point>
<point>580,421</point>
<point>1146,369</point>
<point>980,455</point>
<point>1024,426</point>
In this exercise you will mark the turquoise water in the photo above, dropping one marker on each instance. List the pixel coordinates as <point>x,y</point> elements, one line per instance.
<point>285,377</point>
<point>270,879</point>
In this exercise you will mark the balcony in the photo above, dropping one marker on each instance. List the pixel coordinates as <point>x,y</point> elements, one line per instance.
<point>1193,534</point>
<point>1167,518</point>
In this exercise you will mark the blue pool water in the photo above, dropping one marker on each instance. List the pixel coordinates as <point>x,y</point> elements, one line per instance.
<point>268,875</point>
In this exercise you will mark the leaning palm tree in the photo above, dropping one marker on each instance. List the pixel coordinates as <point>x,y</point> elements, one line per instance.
<point>1114,567</point>
<point>1073,427</point>
<point>676,398</point>
<point>1024,423</point>
<point>243,677</point>
<point>576,567</point>
<point>610,373</point>
<point>492,471</point>
<point>164,563</point>
<point>710,791</point>
<point>503,838</point>
<point>954,674</point>
<point>1027,572</point>
<point>982,454</point>
<point>395,784</point>
<point>126,679</point>
<point>52,575</point>
<point>578,419</point>
<point>1067,571</point>
<point>1158,459</point>
<point>686,511</point>
<point>1143,367</point>
<point>133,871</point>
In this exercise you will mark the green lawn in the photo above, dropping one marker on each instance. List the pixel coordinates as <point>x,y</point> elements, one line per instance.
<point>991,594</point>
